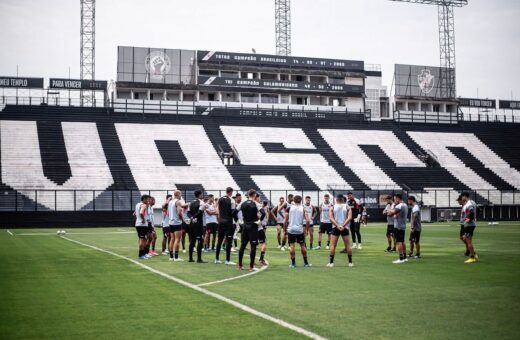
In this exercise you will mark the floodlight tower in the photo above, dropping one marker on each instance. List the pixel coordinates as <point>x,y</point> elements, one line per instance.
<point>88,47</point>
<point>282,9</point>
<point>446,41</point>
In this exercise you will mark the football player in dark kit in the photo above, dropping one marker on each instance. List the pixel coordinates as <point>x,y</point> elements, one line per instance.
<point>196,211</point>
<point>355,226</point>
<point>249,234</point>
<point>226,208</point>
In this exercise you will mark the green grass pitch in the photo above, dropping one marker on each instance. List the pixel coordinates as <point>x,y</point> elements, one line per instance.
<point>53,288</point>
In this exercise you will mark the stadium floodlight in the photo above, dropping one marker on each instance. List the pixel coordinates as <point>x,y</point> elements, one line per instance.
<point>282,9</point>
<point>88,47</point>
<point>446,41</point>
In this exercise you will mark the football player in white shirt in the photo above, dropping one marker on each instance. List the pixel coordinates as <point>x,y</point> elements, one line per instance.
<point>340,216</point>
<point>294,221</point>
<point>141,225</point>
<point>166,225</point>
<point>152,235</point>
<point>325,224</point>
<point>309,226</point>
<point>278,213</point>
<point>210,214</point>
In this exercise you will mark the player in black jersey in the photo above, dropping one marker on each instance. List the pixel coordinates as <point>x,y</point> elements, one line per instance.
<point>226,208</point>
<point>196,212</point>
<point>249,233</point>
<point>355,226</point>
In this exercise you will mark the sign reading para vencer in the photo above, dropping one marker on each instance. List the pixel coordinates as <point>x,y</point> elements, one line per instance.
<point>77,84</point>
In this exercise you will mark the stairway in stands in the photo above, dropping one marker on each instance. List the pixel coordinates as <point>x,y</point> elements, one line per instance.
<point>474,164</point>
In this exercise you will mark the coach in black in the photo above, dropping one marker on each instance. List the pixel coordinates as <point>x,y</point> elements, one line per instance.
<point>250,231</point>
<point>226,209</point>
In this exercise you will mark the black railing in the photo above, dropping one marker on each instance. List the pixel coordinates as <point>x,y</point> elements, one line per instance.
<point>125,200</point>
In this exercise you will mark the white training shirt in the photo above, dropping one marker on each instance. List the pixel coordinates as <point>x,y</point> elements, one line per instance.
<point>296,219</point>
<point>210,208</point>
<point>140,222</point>
<point>309,209</point>
<point>341,213</point>
<point>324,217</point>
<point>174,218</point>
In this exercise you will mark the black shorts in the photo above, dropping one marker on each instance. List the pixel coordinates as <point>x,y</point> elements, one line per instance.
<point>296,238</point>
<point>261,236</point>
<point>211,228</point>
<point>175,228</point>
<point>326,228</point>
<point>166,230</point>
<point>226,229</point>
<point>468,231</point>
<point>196,231</point>
<point>151,229</point>
<point>184,227</point>
<point>461,230</point>
<point>399,235</point>
<point>415,236</point>
<point>249,233</point>
<point>142,232</point>
<point>390,230</point>
<point>337,232</point>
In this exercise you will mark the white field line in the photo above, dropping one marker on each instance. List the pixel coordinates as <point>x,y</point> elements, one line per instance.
<point>207,292</point>
<point>9,232</point>
<point>50,234</point>
<point>233,278</point>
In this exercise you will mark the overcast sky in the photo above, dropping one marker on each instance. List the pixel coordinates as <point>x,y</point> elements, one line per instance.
<point>42,37</point>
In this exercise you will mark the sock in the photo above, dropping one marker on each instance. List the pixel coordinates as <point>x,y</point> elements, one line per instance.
<point>262,254</point>
<point>311,245</point>
<point>153,247</point>
<point>418,254</point>
<point>279,243</point>
<point>401,257</point>
<point>293,261</point>
<point>235,242</point>
<point>404,255</point>
<point>319,243</point>
<point>349,258</point>
<point>283,243</point>
<point>328,243</point>
<point>147,249</point>
<point>171,254</point>
<point>176,254</point>
<point>140,252</point>
<point>305,260</point>
<point>331,259</point>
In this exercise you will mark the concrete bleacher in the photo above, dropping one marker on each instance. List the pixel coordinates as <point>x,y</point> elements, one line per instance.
<point>68,158</point>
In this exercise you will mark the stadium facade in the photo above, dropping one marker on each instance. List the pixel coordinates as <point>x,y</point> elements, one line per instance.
<point>184,119</point>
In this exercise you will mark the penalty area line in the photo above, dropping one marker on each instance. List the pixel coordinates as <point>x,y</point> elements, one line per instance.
<point>233,278</point>
<point>222,298</point>
<point>9,232</point>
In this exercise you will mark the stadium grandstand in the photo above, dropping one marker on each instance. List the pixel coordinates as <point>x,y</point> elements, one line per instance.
<point>183,119</point>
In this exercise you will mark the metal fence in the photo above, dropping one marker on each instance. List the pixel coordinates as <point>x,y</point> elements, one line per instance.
<point>125,200</point>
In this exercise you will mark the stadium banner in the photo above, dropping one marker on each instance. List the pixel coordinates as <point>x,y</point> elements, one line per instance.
<point>21,82</point>
<point>278,61</point>
<point>370,199</point>
<point>421,81</point>
<point>478,103</point>
<point>77,84</point>
<point>278,84</point>
<point>509,104</point>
